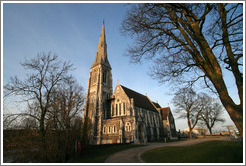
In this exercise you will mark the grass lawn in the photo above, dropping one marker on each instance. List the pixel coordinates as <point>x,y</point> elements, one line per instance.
<point>207,152</point>
<point>99,153</point>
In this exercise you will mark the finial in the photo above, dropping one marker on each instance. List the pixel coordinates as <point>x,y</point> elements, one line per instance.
<point>146,94</point>
<point>103,21</point>
<point>118,81</point>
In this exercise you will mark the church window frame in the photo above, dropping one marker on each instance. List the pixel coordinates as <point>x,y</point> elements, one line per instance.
<point>119,108</point>
<point>128,127</point>
<point>114,129</point>
<point>104,79</point>
<point>124,108</point>
<point>109,129</point>
<point>104,130</point>
<point>116,109</point>
<point>112,110</point>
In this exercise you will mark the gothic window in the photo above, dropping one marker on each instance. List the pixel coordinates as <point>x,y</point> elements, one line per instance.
<point>115,129</point>
<point>104,77</point>
<point>102,44</point>
<point>120,108</point>
<point>109,129</point>
<point>128,127</point>
<point>124,108</point>
<point>112,110</point>
<point>104,130</point>
<point>116,109</point>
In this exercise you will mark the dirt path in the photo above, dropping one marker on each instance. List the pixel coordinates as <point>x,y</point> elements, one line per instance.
<point>133,155</point>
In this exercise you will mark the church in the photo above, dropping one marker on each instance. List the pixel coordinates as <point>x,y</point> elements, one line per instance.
<point>122,116</point>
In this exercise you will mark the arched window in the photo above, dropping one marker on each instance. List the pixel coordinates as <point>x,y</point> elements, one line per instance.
<point>119,108</point>
<point>109,129</point>
<point>104,130</point>
<point>124,108</point>
<point>116,109</point>
<point>112,110</point>
<point>114,129</point>
<point>128,127</point>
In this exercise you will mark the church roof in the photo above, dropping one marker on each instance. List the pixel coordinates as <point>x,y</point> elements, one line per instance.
<point>139,99</point>
<point>156,104</point>
<point>101,57</point>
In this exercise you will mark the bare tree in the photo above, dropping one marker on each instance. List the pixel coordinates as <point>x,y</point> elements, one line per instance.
<point>185,102</point>
<point>191,42</point>
<point>212,111</point>
<point>67,101</point>
<point>47,72</point>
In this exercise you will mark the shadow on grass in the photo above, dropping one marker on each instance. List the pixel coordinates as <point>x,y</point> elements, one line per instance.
<point>99,153</point>
<point>207,152</point>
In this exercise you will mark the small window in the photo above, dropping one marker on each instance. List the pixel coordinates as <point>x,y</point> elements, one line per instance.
<point>112,110</point>
<point>120,108</point>
<point>104,130</point>
<point>115,130</point>
<point>104,77</point>
<point>109,129</point>
<point>116,109</point>
<point>128,127</point>
<point>124,108</point>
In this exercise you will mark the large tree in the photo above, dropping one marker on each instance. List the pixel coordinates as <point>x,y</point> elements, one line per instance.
<point>46,74</point>
<point>190,42</point>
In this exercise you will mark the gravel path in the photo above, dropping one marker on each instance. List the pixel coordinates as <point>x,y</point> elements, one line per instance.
<point>133,155</point>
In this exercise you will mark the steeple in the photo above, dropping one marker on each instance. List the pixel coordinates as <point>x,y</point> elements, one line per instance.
<point>101,57</point>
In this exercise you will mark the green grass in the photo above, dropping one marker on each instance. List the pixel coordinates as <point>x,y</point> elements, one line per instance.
<point>99,153</point>
<point>207,152</point>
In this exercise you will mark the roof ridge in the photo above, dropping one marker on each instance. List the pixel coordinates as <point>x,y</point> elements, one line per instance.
<point>152,103</point>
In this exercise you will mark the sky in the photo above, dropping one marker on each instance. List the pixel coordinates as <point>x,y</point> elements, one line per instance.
<point>72,32</point>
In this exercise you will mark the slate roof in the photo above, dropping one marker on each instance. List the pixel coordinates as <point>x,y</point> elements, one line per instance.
<point>139,99</point>
<point>156,104</point>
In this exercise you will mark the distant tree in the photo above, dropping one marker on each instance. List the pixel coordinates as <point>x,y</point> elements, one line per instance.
<point>185,102</point>
<point>212,111</point>
<point>47,73</point>
<point>189,42</point>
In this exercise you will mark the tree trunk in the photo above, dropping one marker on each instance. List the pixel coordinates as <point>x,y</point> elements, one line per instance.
<point>235,111</point>
<point>210,131</point>
<point>190,130</point>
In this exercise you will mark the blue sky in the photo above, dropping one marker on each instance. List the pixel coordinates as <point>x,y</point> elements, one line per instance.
<point>72,31</point>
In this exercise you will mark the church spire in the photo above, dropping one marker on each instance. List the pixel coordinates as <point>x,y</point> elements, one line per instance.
<point>101,57</point>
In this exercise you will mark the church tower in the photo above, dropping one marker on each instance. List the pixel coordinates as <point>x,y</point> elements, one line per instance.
<point>99,90</point>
